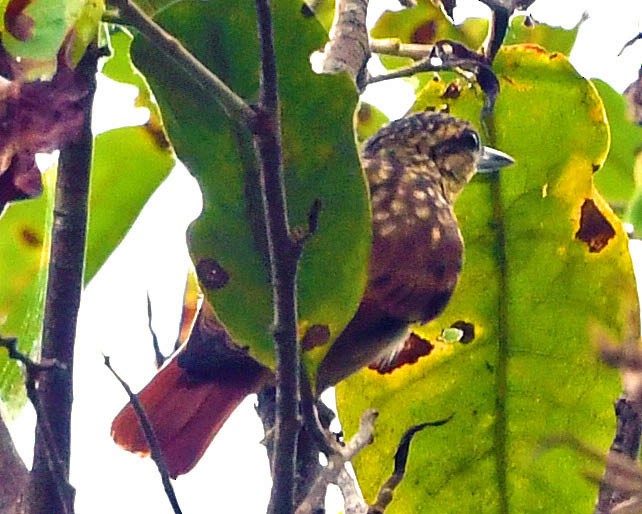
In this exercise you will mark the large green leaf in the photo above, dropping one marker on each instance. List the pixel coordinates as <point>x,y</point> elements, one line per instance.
<point>319,157</point>
<point>128,166</point>
<point>546,261</point>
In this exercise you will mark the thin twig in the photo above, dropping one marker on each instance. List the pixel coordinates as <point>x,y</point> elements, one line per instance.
<point>150,436</point>
<point>353,501</point>
<point>31,367</point>
<point>283,255</point>
<point>498,29</point>
<point>235,107</point>
<point>158,355</point>
<point>396,47</point>
<point>337,462</point>
<point>55,464</point>
<point>630,42</point>
<point>385,495</point>
<point>14,474</point>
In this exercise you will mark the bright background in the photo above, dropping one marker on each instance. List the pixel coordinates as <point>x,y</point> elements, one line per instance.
<point>233,476</point>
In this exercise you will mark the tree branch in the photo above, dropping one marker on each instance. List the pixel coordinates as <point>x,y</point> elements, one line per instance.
<point>626,444</point>
<point>283,255</point>
<point>55,388</point>
<point>348,49</point>
<point>13,472</point>
<point>338,460</point>
<point>55,463</point>
<point>395,47</point>
<point>235,107</point>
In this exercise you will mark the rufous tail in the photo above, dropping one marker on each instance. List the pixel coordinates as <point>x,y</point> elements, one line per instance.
<point>185,413</point>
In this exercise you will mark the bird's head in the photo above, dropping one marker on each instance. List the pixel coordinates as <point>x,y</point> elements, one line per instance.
<point>444,149</point>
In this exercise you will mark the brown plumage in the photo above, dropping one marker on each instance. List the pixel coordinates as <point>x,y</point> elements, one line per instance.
<point>415,168</point>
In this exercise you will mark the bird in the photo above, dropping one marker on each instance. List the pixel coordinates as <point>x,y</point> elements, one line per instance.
<point>415,168</point>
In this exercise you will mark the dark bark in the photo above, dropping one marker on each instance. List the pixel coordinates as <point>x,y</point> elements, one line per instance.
<point>48,492</point>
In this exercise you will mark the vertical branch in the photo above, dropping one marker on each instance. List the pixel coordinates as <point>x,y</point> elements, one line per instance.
<point>55,388</point>
<point>283,254</point>
<point>13,472</point>
<point>348,48</point>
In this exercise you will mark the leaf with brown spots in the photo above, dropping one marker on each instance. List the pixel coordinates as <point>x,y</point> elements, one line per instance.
<point>595,230</point>
<point>414,347</point>
<point>533,286</point>
<point>37,30</point>
<point>129,164</point>
<point>332,271</point>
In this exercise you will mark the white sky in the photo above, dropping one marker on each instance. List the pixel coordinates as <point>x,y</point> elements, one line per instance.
<point>232,477</point>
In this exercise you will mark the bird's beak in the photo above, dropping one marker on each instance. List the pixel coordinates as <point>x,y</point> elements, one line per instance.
<point>492,160</point>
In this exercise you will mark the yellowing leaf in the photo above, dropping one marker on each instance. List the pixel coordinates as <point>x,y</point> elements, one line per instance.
<point>546,260</point>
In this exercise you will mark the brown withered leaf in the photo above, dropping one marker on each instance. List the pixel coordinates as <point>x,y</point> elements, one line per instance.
<point>633,95</point>
<point>19,24</point>
<point>35,117</point>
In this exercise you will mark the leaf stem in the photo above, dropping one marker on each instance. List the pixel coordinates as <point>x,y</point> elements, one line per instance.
<point>233,104</point>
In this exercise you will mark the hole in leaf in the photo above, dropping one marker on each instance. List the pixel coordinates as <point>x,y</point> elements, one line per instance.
<point>468,330</point>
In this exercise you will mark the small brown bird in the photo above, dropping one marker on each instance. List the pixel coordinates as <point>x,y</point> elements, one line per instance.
<point>416,167</point>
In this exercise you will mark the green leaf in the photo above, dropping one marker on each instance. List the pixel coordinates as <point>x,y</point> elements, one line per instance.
<point>523,29</point>
<point>426,23</point>
<point>323,11</point>
<point>24,248</point>
<point>128,166</point>
<point>615,179</point>
<point>320,163</point>
<point>121,69</point>
<point>39,30</point>
<point>546,261</point>
<point>369,119</point>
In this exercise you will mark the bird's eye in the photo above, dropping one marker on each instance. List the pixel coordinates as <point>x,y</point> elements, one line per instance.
<point>469,140</point>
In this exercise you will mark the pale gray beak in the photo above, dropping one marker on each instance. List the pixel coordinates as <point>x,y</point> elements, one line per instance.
<point>492,160</point>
